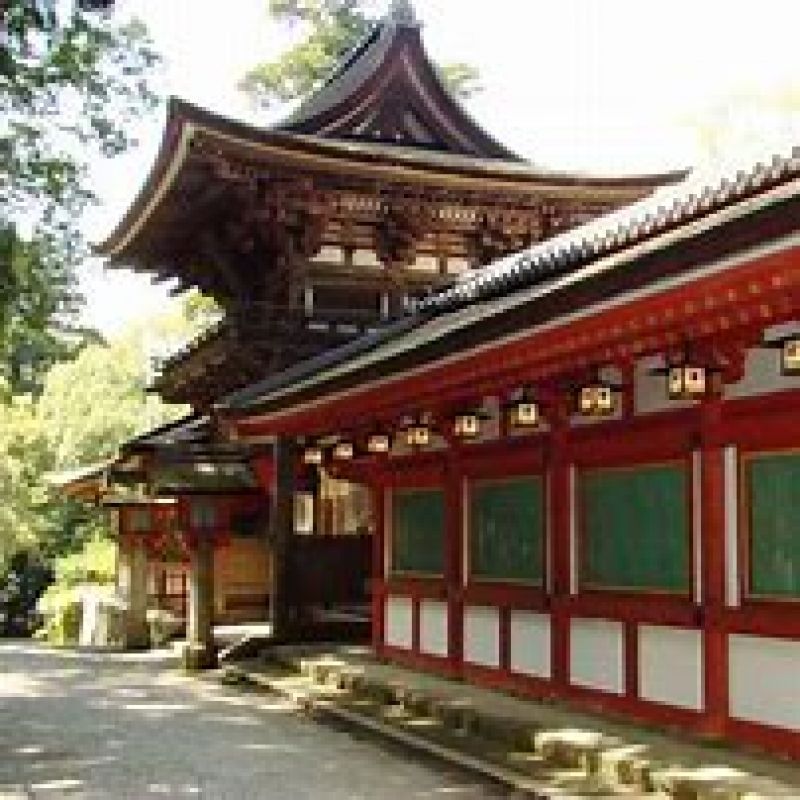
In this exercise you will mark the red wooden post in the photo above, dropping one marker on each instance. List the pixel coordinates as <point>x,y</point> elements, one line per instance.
<point>712,491</point>
<point>378,571</point>
<point>454,555</point>
<point>560,502</point>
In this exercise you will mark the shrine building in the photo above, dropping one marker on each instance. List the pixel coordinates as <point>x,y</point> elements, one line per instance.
<point>559,412</point>
<point>377,192</point>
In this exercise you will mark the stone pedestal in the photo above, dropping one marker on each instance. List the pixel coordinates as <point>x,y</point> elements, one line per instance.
<point>200,652</point>
<point>133,563</point>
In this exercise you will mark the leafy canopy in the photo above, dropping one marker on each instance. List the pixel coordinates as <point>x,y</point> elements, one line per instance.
<point>71,85</point>
<point>87,408</point>
<point>327,30</point>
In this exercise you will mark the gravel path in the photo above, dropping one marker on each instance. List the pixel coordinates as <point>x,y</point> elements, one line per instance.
<point>133,727</point>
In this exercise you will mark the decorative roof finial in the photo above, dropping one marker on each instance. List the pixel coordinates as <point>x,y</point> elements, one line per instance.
<point>402,12</point>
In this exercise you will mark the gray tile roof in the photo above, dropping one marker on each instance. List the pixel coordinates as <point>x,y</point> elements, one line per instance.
<point>700,193</point>
<point>526,277</point>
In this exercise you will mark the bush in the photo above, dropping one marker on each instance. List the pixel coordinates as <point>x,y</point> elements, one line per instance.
<point>62,610</point>
<point>96,563</point>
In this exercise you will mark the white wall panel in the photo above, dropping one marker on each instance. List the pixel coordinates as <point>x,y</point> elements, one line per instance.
<point>671,666</point>
<point>731,526</point>
<point>596,655</point>
<point>530,645</point>
<point>399,622</point>
<point>762,374</point>
<point>764,680</point>
<point>482,636</point>
<point>433,628</point>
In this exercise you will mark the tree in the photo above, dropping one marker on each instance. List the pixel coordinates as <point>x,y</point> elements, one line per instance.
<point>70,86</point>
<point>87,408</point>
<point>331,28</point>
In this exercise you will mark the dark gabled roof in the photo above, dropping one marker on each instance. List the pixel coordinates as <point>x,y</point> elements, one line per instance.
<point>386,89</point>
<point>184,430</point>
<point>604,245</point>
<point>322,362</point>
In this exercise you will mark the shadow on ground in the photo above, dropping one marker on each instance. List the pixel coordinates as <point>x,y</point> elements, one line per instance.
<point>120,726</point>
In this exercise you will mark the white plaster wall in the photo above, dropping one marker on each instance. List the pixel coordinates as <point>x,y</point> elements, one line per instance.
<point>731,526</point>
<point>596,655</point>
<point>764,680</point>
<point>399,621</point>
<point>530,645</point>
<point>482,636</point>
<point>762,374</point>
<point>433,628</point>
<point>671,666</point>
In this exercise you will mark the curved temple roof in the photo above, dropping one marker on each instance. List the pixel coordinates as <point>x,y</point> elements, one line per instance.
<point>382,113</point>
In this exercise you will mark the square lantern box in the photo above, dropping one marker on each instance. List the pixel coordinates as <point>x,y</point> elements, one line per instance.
<point>687,382</point>
<point>597,400</point>
<point>790,356</point>
<point>467,425</point>
<point>418,435</point>
<point>379,443</point>
<point>343,450</point>
<point>524,414</point>
<point>313,456</point>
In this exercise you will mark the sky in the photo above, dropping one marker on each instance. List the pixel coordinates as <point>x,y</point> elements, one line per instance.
<point>600,86</point>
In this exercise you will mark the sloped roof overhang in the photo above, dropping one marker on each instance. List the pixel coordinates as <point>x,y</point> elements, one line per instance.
<point>437,338</point>
<point>191,130</point>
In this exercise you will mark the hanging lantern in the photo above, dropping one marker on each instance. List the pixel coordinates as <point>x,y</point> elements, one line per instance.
<point>467,425</point>
<point>379,443</point>
<point>343,450</point>
<point>418,433</point>
<point>313,456</point>
<point>790,356</point>
<point>597,400</point>
<point>687,381</point>
<point>524,412</point>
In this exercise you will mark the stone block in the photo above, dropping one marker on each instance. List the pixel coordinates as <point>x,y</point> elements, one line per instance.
<point>198,657</point>
<point>570,748</point>
<point>701,783</point>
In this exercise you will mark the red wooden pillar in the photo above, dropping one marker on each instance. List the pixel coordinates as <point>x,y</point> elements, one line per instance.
<point>264,468</point>
<point>454,556</point>
<point>560,502</point>
<point>378,569</point>
<point>712,552</point>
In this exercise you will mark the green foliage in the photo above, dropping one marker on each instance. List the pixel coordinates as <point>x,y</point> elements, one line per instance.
<point>96,562</point>
<point>330,28</point>
<point>70,87</point>
<point>87,408</point>
<point>21,584</point>
<point>63,609</point>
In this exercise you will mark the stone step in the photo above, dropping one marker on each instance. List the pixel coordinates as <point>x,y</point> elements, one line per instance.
<point>702,783</point>
<point>624,768</point>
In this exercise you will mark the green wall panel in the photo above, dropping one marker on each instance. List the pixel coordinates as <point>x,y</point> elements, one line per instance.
<point>507,530</point>
<point>636,528</point>
<point>773,482</point>
<point>418,531</point>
